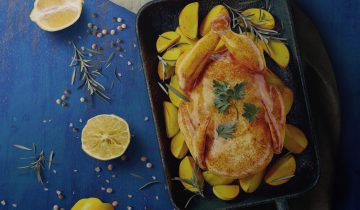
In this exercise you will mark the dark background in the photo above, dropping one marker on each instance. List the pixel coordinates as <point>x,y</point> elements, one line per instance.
<point>339,25</point>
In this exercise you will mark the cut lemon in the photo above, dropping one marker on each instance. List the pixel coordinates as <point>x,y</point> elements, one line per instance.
<point>105,137</point>
<point>55,15</point>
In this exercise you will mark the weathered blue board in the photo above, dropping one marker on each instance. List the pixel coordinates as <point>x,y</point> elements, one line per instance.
<point>34,71</point>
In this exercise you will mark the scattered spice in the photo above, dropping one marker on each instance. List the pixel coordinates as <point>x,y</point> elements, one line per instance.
<point>110,167</point>
<point>115,203</point>
<point>119,28</point>
<point>56,207</point>
<point>67,92</point>
<point>104,31</point>
<point>119,19</point>
<point>63,104</point>
<point>109,190</point>
<point>63,97</point>
<point>123,26</point>
<point>82,99</point>
<point>98,169</point>
<point>58,101</point>
<point>90,25</point>
<point>143,159</point>
<point>99,35</point>
<point>94,46</point>
<point>112,32</point>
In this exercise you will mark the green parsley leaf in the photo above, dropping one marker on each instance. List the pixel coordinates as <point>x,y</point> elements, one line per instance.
<point>239,91</point>
<point>224,93</point>
<point>250,111</point>
<point>226,130</point>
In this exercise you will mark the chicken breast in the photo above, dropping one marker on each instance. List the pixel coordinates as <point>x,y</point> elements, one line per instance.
<point>250,145</point>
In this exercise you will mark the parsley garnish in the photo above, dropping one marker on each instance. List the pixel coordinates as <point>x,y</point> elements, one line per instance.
<point>225,95</point>
<point>226,130</point>
<point>250,111</point>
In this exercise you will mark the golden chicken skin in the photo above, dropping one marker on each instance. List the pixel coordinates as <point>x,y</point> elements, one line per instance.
<point>234,121</point>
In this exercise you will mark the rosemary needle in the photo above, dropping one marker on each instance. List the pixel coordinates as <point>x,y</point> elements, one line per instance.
<point>148,184</point>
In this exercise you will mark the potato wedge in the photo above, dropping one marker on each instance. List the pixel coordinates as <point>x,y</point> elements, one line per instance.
<point>185,44</point>
<point>213,179</point>
<point>178,146</point>
<point>288,98</point>
<point>278,52</point>
<point>295,140</point>
<point>187,170</point>
<point>251,183</point>
<point>176,100</point>
<point>165,40</point>
<point>165,71</point>
<point>189,20</point>
<point>171,119</point>
<point>171,56</point>
<point>282,171</point>
<point>226,192</point>
<point>260,18</point>
<point>218,10</point>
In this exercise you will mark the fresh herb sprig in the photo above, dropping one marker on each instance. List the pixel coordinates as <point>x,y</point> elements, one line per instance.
<point>87,71</point>
<point>39,161</point>
<point>226,130</point>
<point>250,111</point>
<point>225,95</point>
<point>244,24</point>
<point>194,182</point>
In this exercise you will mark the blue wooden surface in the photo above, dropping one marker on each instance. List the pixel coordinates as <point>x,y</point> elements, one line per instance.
<point>339,24</point>
<point>34,73</point>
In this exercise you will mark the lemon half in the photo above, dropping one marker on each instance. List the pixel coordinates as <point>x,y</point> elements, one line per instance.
<point>105,137</point>
<point>55,15</point>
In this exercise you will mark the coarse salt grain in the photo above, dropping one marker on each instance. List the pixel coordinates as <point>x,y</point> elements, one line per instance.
<point>130,196</point>
<point>3,202</point>
<point>129,63</point>
<point>112,32</point>
<point>123,25</point>
<point>148,165</point>
<point>98,169</point>
<point>119,19</point>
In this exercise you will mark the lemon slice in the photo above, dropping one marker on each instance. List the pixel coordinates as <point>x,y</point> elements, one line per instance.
<point>105,137</point>
<point>55,15</point>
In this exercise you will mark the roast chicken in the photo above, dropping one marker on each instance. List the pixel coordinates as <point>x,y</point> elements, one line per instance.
<point>252,143</point>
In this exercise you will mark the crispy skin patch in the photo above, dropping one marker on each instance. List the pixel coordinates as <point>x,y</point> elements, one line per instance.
<point>251,150</point>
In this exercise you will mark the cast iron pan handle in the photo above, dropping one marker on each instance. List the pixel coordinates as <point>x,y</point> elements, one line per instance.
<point>281,204</point>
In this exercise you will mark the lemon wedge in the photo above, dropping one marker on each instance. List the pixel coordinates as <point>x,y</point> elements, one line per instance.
<point>105,137</point>
<point>55,15</point>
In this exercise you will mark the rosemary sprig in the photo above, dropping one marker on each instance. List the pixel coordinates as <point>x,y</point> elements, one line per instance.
<point>51,158</point>
<point>22,147</point>
<point>193,182</point>
<point>110,59</point>
<point>177,93</point>
<point>87,71</point>
<point>244,24</point>
<point>282,178</point>
<point>38,162</point>
<point>148,184</point>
